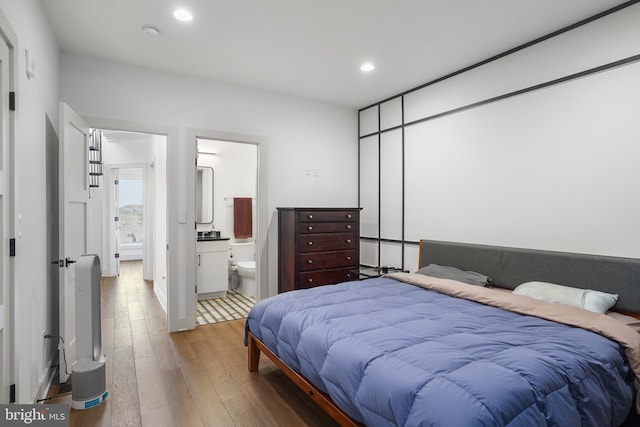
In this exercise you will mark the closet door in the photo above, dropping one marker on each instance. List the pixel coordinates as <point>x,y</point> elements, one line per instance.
<point>369,191</point>
<point>381,184</point>
<point>369,169</point>
<point>391,198</point>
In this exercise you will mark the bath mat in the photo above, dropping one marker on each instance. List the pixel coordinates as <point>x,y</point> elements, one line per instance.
<point>233,306</point>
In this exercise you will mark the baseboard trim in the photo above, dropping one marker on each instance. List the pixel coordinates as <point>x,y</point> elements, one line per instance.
<point>45,385</point>
<point>162,298</point>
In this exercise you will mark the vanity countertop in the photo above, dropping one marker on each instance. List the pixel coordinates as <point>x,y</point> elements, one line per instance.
<point>211,238</point>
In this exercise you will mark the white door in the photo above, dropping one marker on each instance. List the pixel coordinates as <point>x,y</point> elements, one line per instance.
<point>73,199</point>
<point>116,217</point>
<point>5,277</point>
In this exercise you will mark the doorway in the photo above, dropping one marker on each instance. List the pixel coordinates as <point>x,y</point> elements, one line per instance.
<point>128,220</point>
<point>135,204</point>
<point>226,209</point>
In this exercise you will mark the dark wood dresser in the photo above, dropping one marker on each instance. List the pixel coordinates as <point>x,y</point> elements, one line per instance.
<point>317,246</point>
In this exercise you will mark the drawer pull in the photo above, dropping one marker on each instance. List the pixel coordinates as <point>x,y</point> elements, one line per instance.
<point>309,228</point>
<point>348,216</point>
<point>348,226</point>
<point>348,240</point>
<point>348,258</point>
<point>310,243</point>
<point>309,216</point>
<point>310,261</point>
<point>310,280</point>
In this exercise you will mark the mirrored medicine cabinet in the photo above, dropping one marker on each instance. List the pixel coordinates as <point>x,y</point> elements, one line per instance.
<point>204,195</point>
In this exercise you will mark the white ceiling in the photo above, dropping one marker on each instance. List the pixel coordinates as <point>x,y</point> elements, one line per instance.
<point>311,49</point>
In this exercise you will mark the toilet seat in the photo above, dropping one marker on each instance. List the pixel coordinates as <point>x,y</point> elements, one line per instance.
<point>247,265</point>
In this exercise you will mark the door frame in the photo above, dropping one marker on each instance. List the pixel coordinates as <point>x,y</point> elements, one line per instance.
<point>10,297</point>
<point>262,223</point>
<point>147,245</point>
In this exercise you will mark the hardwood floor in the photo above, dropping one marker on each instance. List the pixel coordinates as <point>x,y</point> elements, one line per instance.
<point>191,378</point>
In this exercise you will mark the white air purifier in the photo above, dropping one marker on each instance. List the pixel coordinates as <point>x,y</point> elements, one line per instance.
<point>88,373</point>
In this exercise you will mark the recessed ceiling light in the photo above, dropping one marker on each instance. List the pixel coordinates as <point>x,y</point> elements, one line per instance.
<point>367,67</point>
<point>150,31</point>
<point>183,15</point>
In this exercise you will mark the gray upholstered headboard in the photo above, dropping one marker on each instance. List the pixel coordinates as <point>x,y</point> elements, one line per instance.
<point>508,267</point>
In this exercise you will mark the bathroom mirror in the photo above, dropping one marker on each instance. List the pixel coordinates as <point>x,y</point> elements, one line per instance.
<point>204,195</point>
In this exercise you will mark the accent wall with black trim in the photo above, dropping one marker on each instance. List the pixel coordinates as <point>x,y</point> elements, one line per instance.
<point>537,147</point>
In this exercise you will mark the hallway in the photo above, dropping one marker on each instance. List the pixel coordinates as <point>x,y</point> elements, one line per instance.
<point>135,340</point>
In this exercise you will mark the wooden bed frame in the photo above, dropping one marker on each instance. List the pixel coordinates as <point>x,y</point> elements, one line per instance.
<point>256,346</point>
<point>507,267</point>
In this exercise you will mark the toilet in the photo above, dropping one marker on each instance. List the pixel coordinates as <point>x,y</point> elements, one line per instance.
<point>242,260</point>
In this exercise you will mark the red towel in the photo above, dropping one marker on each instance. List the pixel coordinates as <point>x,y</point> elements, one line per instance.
<point>242,217</point>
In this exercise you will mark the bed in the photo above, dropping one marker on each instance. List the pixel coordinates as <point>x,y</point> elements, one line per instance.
<point>412,349</point>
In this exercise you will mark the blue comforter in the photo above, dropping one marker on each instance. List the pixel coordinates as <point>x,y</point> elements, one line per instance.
<point>393,354</point>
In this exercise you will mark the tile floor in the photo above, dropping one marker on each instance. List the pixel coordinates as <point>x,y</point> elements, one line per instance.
<point>233,306</point>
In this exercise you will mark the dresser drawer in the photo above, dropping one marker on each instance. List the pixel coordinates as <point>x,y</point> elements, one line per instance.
<point>326,216</point>
<point>326,242</point>
<point>326,227</point>
<point>323,277</point>
<point>323,260</point>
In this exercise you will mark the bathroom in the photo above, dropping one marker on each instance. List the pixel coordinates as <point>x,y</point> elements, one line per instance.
<point>226,188</point>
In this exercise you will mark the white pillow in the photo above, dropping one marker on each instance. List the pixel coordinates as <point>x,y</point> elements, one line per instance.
<point>588,299</point>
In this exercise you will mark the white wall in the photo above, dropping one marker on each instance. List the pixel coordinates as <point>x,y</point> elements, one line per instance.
<point>300,135</point>
<point>37,103</point>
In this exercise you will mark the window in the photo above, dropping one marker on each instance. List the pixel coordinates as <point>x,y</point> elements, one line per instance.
<point>130,211</point>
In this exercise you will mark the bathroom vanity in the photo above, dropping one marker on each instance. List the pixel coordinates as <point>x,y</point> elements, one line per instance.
<point>212,257</point>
